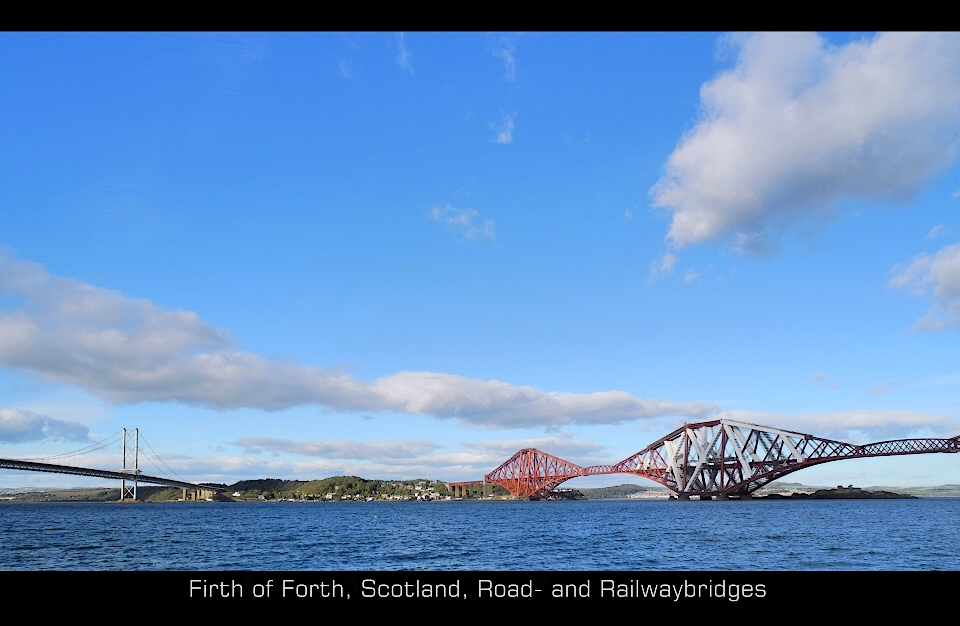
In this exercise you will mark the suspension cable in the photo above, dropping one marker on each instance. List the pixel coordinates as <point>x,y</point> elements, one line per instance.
<point>143,439</point>
<point>93,447</point>
<point>157,467</point>
<point>103,443</point>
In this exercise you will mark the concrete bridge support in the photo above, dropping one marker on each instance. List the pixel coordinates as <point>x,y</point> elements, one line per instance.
<point>471,489</point>
<point>197,495</point>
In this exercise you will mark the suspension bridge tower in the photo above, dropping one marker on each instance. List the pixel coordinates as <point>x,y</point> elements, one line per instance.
<point>131,451</point>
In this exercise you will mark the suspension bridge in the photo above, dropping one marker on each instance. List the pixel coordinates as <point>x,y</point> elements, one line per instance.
<point>128,474</point>
<point>720,459</point>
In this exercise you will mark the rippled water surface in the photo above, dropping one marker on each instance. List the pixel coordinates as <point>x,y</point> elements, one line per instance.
<point>591,535</point>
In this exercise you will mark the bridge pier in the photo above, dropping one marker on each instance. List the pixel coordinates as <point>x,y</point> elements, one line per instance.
<point>128,493</point>
<point>706,497</point>
<point>196,495</point>
<point>471,489</point>
<point>683,496</point>
<point>723,496</point>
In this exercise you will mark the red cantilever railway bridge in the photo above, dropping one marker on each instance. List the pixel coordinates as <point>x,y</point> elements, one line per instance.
<point>720,458</point>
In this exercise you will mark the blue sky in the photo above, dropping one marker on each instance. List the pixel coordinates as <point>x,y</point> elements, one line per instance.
<point>403,255</point>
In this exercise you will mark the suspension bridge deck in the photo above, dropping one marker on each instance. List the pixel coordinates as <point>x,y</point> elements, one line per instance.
<point>31,466</point>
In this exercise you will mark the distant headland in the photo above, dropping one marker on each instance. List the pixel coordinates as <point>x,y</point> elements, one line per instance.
<point>356,489</point>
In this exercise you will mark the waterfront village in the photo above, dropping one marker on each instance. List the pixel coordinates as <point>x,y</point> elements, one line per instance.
<point>327,490</point>
<point>355,489</point>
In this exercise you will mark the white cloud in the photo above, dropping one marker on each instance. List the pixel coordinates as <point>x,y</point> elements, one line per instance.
<point>127,350</point>
<point>340,449</point>
<point>497,404</point>
<point>564,446</point>
<point>821,378</point>
<point>219,468</point>
<point>935,232</point>
<point>420,459</point>
<point>410,458</point>
<point>690,276</point>
<point>420,451</point>
<point>505,54</point>
<point>862,426</point>
<point>798,124</point>
<point>937,278</point>
<point>17,425</point>
<point>344,69</point>
<point>504,129</point>
<point>466,223</point>
<point>403,57</point>
<point>940,381</point>
<point>661,267</point>
<point>885,387</point>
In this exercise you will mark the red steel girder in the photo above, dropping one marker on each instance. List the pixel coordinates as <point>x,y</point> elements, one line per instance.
<point>531,473</point>
<point>715,458</point>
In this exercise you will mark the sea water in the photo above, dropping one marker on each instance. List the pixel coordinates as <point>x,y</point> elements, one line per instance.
<point>919,534</point>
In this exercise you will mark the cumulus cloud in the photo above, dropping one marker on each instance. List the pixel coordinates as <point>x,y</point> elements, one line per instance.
<point>405,458</point>
<point>340,449</point>
<point>563,445</point>
<point>229,468</point>
<point>798,124</point>
<point>421,451</point>
<point>128,350</point>
<point>217,468</point>
<point>936,278</point>
<point>497,404</point>
<point>858,426</point>
<point>466,223</point>
<point>17,425</point>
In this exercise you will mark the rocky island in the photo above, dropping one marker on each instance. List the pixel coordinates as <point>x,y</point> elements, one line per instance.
<point>838,493</point>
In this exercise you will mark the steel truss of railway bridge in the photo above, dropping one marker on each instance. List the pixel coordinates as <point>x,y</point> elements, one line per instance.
<point>716,459</point>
